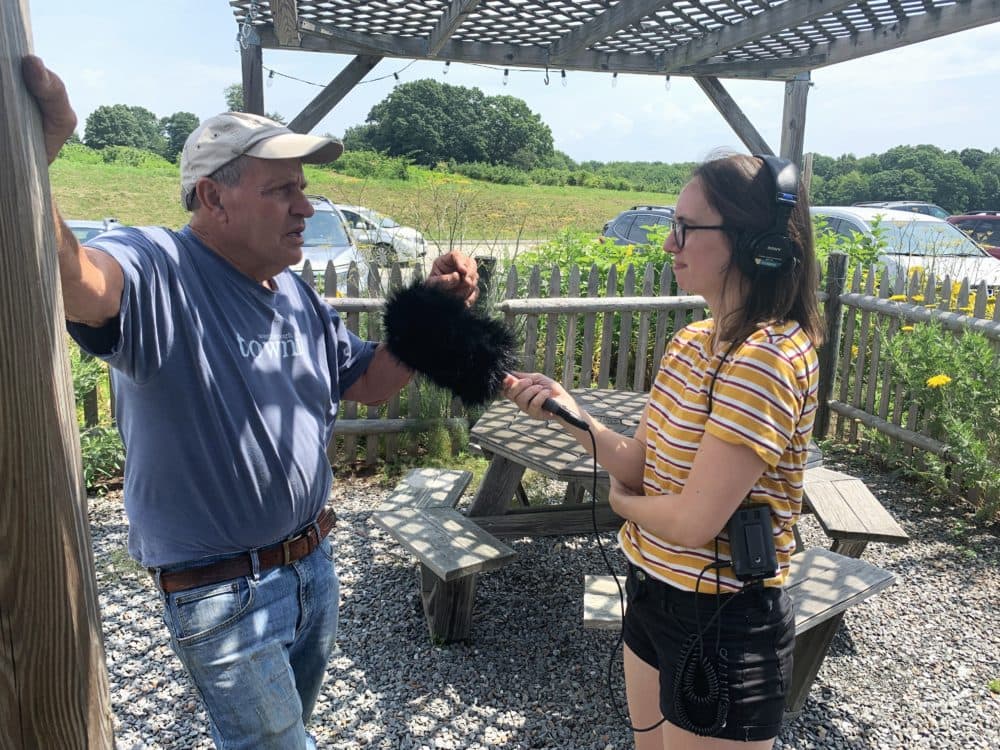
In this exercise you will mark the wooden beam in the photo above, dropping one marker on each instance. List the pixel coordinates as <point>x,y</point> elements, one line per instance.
<point>286,22</point>
<point>775,70</point>
<point>446,25</point>
<point>793,120</point>
<point>336,90</point>
<point>964,15</point>
<point>319,38</point>
<point>53,679</point>
<point>765,24</point>
<point>253,79</point>
<point>732,114</point>
<point>605,24</point>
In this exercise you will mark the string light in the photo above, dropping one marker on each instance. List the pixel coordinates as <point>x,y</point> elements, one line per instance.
<point>270,78</point>
<point>614,80</point>
<point>506,76</point>
<point>446,64</point>
<point>666,83</point>
<point>564,79</point>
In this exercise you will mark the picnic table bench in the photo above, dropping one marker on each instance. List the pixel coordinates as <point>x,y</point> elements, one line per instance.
<point>420,514</point>
<point>822,584</point>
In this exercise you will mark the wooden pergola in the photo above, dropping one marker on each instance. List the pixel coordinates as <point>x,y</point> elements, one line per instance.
<point>53,681</point>
<point>708,40</point>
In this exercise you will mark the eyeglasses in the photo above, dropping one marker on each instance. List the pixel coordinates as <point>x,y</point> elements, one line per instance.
<point>680,229</point>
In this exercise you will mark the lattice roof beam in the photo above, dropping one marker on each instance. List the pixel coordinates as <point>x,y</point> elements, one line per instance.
<point>451,20</point>
<point>336,90</point>
<point>619,17</point>
<point>760,26</point>
<point>962,16</point>
<point>286,22</point>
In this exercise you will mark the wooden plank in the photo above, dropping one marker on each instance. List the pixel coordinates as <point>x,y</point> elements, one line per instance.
<point>607,330</point>
<point>53,679</point>
<point>552,326</point>
<point>551,520</point>
<point>336,90</point>
<point>427,488</point>
<point>589,328</point>
<point>846,508</point>
<point>569,358</point>
<point>625,330</point>
<point>444,540</point>
<point>821,584</point>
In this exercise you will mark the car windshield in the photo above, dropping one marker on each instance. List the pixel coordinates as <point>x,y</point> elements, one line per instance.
<point>927,238</point>
<point>83,234</point>
<point>379,220</point>
<point>324,228</point>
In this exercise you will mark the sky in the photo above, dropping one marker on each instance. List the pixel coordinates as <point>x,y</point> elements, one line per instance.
<point>180,55</point>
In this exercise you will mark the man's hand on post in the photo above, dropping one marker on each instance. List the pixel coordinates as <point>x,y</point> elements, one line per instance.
<point>58,117</point>
<point>456,273</point>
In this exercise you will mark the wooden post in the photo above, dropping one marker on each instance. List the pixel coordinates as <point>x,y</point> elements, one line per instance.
<point>836,278</point>
<point>793,121</point>
<point>253,79</point>
<point>53,680</point>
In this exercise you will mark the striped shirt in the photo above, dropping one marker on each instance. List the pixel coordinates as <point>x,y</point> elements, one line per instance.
<point>765,398</point>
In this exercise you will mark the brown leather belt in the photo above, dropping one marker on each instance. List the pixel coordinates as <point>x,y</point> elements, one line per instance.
<point>285,552</point>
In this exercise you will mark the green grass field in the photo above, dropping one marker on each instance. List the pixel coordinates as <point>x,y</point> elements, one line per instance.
<point>442,206</point>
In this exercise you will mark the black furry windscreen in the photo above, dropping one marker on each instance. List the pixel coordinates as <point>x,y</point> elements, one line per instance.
<point>456,347</point>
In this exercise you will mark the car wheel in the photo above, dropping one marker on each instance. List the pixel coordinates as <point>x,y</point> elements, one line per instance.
<point>384,255</point>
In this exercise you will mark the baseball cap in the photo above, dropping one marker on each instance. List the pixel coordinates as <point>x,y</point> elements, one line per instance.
<point>220,139</point>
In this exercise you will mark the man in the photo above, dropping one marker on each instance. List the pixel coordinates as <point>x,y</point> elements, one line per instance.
<point>229,372</point>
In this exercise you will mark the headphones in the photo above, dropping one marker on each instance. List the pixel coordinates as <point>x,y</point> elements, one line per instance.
<point>771,250</point>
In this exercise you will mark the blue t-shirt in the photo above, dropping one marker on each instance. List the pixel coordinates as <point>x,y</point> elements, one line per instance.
<point>226,397</point>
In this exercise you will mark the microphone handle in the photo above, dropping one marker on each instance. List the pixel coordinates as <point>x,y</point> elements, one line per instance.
<point>551,406</point>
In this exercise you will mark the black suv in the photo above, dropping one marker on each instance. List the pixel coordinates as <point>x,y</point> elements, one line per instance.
<point>627,228</point>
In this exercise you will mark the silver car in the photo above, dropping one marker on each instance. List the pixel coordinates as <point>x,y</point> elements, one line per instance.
<point>86,229</point>
<point>915,240</point>
<point>389,241</point>
<point>328,240</point>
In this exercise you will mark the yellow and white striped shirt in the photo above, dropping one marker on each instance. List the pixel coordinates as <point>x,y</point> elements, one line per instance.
<point>764,397</point>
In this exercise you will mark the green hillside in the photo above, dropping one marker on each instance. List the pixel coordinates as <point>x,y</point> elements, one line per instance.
<point>442,206</point>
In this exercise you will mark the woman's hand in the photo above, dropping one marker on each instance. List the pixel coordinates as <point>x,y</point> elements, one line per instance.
<point>620,495</point>
<point>530,389</point>
<point>456,273</point>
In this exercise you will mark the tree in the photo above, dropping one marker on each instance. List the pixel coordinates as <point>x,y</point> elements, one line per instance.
<point>234,102</point>
<point>431,122</point>
<point>122,125</point>
<point>176,129</point>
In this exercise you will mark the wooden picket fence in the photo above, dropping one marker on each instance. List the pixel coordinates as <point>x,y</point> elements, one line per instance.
<point>589,328</point>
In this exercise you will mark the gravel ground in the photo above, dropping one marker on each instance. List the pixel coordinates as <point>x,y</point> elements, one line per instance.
<point>909,668</point>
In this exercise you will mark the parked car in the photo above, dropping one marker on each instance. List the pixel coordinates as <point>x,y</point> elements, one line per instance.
<point>388,240</point>
<point>328,239</point>
<point>983,227</point>
<point>915,240</point>
<point>628,227</point>
<point>87,229</point>
<point>918,207</point>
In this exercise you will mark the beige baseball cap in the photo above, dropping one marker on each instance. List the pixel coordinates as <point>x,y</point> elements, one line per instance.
<point>220,139</point>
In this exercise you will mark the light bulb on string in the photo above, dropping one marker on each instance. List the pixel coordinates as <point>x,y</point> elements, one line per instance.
<point>666,83</point>
<point>270,78</point>
<point>396,77</point>
<point>446,64</point>
<point>564,79</point>
<point>506,76</point>
<point>614,80</point>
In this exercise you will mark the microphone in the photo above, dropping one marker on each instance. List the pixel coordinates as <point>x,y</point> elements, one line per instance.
<point>457,347</point>
<point>550,405</point>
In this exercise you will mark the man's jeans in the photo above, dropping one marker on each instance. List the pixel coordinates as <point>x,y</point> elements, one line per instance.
<point>257,649</point>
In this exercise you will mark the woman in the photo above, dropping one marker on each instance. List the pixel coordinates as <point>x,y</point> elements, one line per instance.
<point>727,423</point>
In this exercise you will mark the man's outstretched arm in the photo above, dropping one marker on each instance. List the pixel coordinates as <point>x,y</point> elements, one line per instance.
<point>92,281</point>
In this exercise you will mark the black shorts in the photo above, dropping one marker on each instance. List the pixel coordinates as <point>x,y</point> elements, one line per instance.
<point>754,633</point>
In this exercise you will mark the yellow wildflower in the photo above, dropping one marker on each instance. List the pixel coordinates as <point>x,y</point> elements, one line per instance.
<point>936,381</point>
<point>898,298</point>
<point>906,329</point>
<point>854,352</point>
<point>918,298</point>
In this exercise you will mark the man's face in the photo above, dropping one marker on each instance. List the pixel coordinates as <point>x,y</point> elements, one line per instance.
<point>264,217</point>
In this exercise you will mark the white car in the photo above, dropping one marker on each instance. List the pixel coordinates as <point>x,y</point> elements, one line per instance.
<point>327,239</point>
<point>389,240</point>
<point>916,240</point>
<point>86,229</point>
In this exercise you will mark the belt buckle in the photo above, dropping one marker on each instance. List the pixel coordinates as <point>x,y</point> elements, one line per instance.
<point>286,550</point>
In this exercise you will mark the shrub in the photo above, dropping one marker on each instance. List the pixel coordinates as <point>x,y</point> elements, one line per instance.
<point>372,164</point>
<point>101,446</point>
<point>77,153</point>
<point>130,156</point>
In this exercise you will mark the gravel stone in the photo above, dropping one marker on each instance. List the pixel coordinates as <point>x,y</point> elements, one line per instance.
<point>909,668</point>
